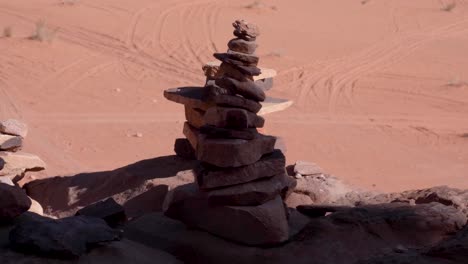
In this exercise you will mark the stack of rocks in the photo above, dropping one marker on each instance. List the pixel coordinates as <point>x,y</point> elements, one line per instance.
<point>13,163</point>
<point>241,181</point>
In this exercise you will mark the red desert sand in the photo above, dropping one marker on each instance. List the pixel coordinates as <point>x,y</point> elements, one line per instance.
<point>380,88</point>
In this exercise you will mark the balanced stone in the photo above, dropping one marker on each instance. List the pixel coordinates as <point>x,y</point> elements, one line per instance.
<point>13,202</point>
<point>237,58</point>
<point>252,225</point>
<point>239,102</point>
<point>235,118</point>
<point>192,134</point>
<point>184,149</point>
<point>218,132</point>
<point>189,96</point>
<point>212,90</point>
<point>244,30</point>
<point>226,69</point>
<point>243,46</point>
<point>11,143</point>
<point>194,116</point>
<point>15,164</point>
<point>233,152</point>
<point>252,193</point>
<point>248,89</point>
<point>209,177</point>
<point>249,70</point>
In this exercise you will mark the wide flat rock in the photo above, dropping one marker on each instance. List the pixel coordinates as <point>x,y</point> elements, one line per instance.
<point>230,117</point>
<point>233,152</point>
<point>211,69</point>
<point>9,142</point>
<point>16,163</point>
<point>271,164</point>
<point>265,224</point>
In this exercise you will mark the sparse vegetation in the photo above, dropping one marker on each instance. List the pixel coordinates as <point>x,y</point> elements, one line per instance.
<point>42,32</point>
<point>68,2</point>
<point>449,6</point>
<point>456,82</point>
<point>8,32</point>
<point>260,4</point>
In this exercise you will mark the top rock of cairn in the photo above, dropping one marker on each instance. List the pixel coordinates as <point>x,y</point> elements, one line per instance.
<point>246,31</point>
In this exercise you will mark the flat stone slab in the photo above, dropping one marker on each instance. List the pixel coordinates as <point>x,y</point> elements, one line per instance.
<point>216,132</point>
<point>11,143</point>
<point>16,163</point>
<point>194,116</point>
<point>265,224</point>
<point>193,97</point>
<point>252,193</point>
<point>271,164</point>
<point>233,152</point>
<point>234,118</point>
<point>211,68</point>
<point>306,168</point>
<point>13,127</point>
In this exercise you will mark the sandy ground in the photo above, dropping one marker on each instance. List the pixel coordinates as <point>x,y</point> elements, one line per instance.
<point>380,87</point>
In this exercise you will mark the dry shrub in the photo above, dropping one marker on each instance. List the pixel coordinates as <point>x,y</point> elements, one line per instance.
<point>8,32</point>
<point>449,7</point>
<point>42,32</point>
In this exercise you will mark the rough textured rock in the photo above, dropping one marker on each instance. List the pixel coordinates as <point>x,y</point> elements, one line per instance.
<point>212,177</point>
<point>67,237</point>
<point>212,71</point>
<point>217,132</point>
<point>194,116</point>
<point>237,58</point>
<point>14,127</point>
<point>366,232</point>
<point>228,70</point>
<point>252,193</point>
<point>15,164</point>
<point>320,210</point>
<point>10,143</point>
<point>248,89</point>
<point>252,225</point>
<point>237,101</point>
<point>241,45</point>
<point>108,210</point>
<point>245,30</point>
<point>307,168</point>
<point>296,199</point>
<point>212,90</point>
<point>235,118</point>
<point>13,202</point>
<point>233,152</point>
<point>184,149</point>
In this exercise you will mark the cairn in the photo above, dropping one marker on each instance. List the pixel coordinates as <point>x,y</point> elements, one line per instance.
<point>241,181</point>
<point>14,163</point>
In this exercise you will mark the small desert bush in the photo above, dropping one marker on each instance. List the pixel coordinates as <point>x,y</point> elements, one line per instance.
<point>7,32</point>
<point>68,2</point>
<point>449,7</point>
<point>42,32</point>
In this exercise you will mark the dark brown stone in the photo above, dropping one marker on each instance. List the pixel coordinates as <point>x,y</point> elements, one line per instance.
<point>251,193</point>
<point>192,135</point>
<point>209,177</point>
<point>217,132</point>
<point>317,210</point>
<point>245,30</point>
<point>240,45</point>
<point>13,202</point>
<point>253,225</point>
<point>237,58</point>
<point>184,149</point>
<point>265,84</point>
<point>212,90</point>
<point>228,70</point>
<point>248,70</point>
<point>108,210</point>
<point>233,152</point>
<point>10,143</point>
<point>234,118</point>
<point>248,89</point>
<point>237,101</point>
<point>189,96</point>
<point>194,116</point>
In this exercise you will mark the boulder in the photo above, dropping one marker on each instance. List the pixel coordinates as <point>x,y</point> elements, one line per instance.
<point>13,202</point>
<point>15,164</point>
<point>108,210</point>
<point>248,89</point>
<point>10,143</point>
<point>317,210</point>
<point>194,116</point>
<point>14,127</point>
<point>306,168</point>
<point>252,193</point>
<point>233,152</point>
<point>209,177</point>
<point>184,149</point>
<point>67,238</point>
<point>265,224</point>
<point>238,102</point>
<point>241,45</point>
<point>245,30</point>
<point>217,132</point>
<point>234,118</point>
